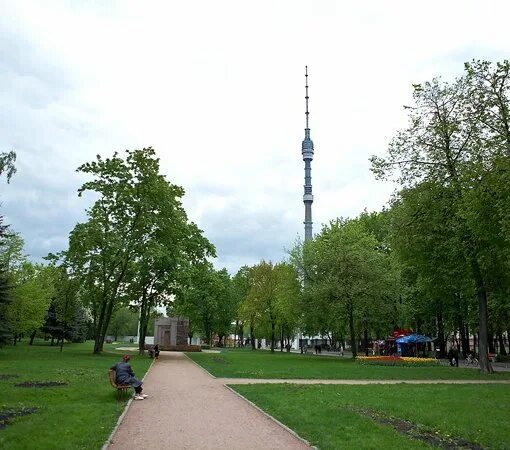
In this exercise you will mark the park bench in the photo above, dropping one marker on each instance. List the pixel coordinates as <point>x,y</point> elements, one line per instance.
<point>121,388</point>
<point>491,356</point>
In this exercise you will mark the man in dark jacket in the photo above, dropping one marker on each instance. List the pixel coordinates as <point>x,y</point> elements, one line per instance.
<point>124,375</point>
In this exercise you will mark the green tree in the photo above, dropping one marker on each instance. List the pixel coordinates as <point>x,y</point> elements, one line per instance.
<point>124,323</point>
<point>206,299</point>
<point>240,289</point>
<point>11,251</point>
<point>33,287</point>
<point>7,160</point>
<point>261,300</point>
<point>428,246</point>
<point>173,245</point>
<point>345,275</point>
<point>5,329</point>
<point>455,137</point>
<point>135,241</point>
<point>288,301</point>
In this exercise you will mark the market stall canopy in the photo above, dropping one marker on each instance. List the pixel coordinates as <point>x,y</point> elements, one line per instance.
<point>401,332</point>
<point>413,339</point>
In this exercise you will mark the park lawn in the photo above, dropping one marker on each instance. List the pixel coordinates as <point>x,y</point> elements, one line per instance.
<point>334,416</point>
<point>80,415</point>
<point>233,363</point>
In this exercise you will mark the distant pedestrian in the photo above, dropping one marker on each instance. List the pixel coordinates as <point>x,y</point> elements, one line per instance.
<point>453,357</point>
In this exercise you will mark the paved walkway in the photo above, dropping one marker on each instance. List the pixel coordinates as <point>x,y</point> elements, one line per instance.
<point>188,409</point>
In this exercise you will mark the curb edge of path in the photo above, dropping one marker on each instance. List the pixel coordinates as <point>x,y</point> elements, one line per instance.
<point>198,365</point>
<point>121,417</point>
<point>269,416</point>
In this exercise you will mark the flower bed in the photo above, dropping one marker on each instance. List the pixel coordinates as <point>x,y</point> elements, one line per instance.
<point>396,361</point>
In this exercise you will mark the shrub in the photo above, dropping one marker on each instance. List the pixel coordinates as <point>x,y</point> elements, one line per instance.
<point>503,358</point>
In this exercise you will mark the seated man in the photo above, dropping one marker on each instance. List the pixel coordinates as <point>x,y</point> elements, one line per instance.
<point>154,352</point>
<point>124,375</point>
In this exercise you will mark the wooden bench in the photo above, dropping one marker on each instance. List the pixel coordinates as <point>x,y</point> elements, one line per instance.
<point>491,356</point>
<point>121,388</point>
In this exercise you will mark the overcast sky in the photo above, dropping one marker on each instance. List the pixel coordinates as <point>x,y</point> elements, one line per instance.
<point>217,88</point>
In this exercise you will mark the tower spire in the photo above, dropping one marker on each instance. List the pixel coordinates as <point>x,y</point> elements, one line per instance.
<point>307,152</point>
<point>306,95</point>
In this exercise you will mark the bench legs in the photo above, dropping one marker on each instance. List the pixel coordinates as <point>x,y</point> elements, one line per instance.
<point>121,391</point>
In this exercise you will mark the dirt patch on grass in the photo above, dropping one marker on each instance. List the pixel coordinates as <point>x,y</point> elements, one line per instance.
<point>40,384</point>
<point>413,431</point>
<point>4,376</point>
<point>7,414</point>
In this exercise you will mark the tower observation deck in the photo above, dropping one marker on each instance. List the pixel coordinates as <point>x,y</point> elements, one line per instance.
<point>307,152</point>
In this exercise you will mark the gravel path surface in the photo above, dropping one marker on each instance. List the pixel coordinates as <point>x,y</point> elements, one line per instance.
<point>188,409</point>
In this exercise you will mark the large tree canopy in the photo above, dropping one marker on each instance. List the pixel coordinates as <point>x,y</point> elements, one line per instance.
<point>457,146</point>
<point>137,239</point>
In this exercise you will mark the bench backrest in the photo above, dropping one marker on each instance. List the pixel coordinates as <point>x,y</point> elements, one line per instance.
<point>112,376</point>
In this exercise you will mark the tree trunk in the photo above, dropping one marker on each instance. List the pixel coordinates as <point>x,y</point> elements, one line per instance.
<point>241,336</point>
<point>144,319</point>
<point>62,339</point>
<point>98,339</point>
<point>365,335</point>
<point>492,346</point>
<point>107,304</point>
<point>282,343</point>
<point>52,340</point>
<point>273,335</point>
<point>352,333</point>
<point>32,337</point>
<point>252,336</point>
<point>483,336</point>
<point>15,340</point>
<point>460,324</point>
<point>440,330</point>
<point>466,350</point>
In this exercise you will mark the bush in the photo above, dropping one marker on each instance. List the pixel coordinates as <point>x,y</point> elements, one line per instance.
<point>205,347</point>
<point>503,358</point>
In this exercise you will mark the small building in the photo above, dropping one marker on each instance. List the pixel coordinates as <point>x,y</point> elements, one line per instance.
<point>171,332</point>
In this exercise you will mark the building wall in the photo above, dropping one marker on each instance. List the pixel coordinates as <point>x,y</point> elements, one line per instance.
<point>171,331</point>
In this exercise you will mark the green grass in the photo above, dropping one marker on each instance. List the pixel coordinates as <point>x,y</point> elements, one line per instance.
<point>262,364</point>
<point>80,415</point>
<point>323,415</point>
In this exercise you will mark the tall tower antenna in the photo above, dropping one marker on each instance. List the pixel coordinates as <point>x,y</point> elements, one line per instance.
<point>306,95</point>
<point>307,152</point>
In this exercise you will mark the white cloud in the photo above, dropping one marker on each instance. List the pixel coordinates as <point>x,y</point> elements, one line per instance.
<point>217,89</point>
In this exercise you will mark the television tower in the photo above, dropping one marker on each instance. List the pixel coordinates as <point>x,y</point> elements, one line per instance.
<point>307,152</point>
